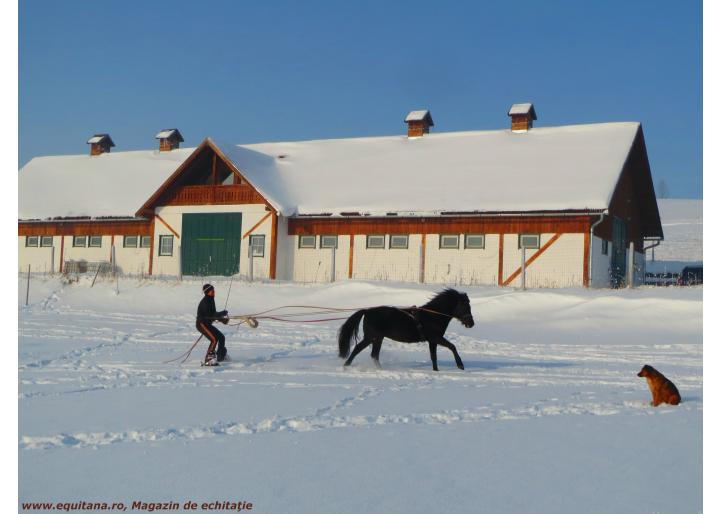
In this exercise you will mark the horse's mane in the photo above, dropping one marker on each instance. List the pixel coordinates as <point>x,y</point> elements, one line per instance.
<point>446,297</point>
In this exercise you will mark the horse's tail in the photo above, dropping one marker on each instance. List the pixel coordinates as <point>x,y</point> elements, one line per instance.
<point>348,331</point>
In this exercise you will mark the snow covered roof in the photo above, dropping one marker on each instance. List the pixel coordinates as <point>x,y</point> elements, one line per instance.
<point>418,116</point>
<point>97,138</point>
<point>518,109</point>
<point>166,133</point>
<point>111,184</point>
<point>545,169</point>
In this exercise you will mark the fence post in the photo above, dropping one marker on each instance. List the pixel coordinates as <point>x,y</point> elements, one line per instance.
<point>523,269</point>
<point>180,262</point>
<point>250,266</point>
<point>27,291</point>
<point>421,261</point>
<point>631,265</point>
<point>52,259</point>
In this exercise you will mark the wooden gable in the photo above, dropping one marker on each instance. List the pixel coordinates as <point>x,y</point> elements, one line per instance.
<point>207,177</point>
<point>634,199</point>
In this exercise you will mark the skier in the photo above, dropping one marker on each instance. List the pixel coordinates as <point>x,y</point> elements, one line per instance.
<point>206,314</point>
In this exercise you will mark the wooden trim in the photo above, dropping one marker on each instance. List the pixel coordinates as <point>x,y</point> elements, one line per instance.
<point>273,245</point>
<point>167,225</point>
<point>352,253</point>
<point>423,246</point>
<point>84,227</point>
<point>440,225</point>
<point>152,248</point>
<point>62,252</point>
<point>148,206</point>
<point>501,252</point>
<point>214,169</point>
<point>586,259</point>
<point>532,259</point>
<point>256,225</point>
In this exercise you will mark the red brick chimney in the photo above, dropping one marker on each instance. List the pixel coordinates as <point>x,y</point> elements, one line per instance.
<point>521,116</point>
<point>419,123</point>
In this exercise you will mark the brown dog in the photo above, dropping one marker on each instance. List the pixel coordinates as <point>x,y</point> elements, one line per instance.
<point>663,391</point>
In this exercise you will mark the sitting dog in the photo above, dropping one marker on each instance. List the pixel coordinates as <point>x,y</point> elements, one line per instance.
<point>663,391</point>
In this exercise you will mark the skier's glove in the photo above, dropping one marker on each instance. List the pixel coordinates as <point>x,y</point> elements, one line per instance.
<point>223,314</point>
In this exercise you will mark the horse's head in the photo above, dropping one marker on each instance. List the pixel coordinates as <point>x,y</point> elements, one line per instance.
<point>462,311</point>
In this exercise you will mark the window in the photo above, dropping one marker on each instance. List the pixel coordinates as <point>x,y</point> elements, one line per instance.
<point>328,241</point>
<point>474,241</point>
<point>31,240</point>
<point>46,241</point>
<point>130,241</point>
<point>80,241</point>
<point>529,241</point>
<point>375,241</point>
<point>449,241</point>
<point>95,241</point>
<point>604,247</point>
<point>399,241</point>
<point>145,241</point>
<point>306,242</point>
<point>257,246</point>
<point>165,247</point>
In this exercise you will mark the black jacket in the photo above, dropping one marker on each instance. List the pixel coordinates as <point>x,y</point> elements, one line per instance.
<point>206,312</point>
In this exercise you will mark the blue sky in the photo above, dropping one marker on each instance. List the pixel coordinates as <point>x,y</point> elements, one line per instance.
<point>247,72</point>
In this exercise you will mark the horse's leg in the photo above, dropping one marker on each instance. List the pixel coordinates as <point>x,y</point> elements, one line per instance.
<point>375,354</point>
<point>358,348</point>
<point>447,344</point>
<point>433,354</point>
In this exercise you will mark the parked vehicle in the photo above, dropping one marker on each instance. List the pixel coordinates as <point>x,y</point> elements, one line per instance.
<point>690,276</point>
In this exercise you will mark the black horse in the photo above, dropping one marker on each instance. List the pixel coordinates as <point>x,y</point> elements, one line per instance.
<point>407,325</point>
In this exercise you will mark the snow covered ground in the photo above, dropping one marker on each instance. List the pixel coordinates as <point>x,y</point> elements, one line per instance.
<point>682,222</point>
<point>548,416</point>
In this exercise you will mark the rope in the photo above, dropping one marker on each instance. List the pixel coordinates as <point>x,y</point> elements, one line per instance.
<point>251,319</point>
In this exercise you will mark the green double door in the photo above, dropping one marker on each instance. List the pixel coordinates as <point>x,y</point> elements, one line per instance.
<point>211,244</point>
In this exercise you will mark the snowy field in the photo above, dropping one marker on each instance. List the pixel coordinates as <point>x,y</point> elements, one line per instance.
<point>682,222</point>
<point>548,416</point>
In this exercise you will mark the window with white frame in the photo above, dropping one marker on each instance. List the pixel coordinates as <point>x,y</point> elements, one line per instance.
<point>306,242</point>
<point>46,241</point>
<point>375,241</point>
<point>257,245</point>
<point>31,240</point>
<point>130,241</point>
<point>145,241</point>
<point>399,241</point>
<point>449,241</point>
<point>95,241</point>
<point>474,241</point>
<point>529,241</point>
<point>165,246</point>
<point>328,241</point>
<point>80,241</point>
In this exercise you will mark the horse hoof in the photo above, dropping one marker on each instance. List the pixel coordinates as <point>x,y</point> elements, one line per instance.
<point>461,366</point>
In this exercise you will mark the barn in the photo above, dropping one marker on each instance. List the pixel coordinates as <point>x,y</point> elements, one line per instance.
<point>541,206</point>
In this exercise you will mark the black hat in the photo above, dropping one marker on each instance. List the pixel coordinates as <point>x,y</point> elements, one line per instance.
<point>207,287</point>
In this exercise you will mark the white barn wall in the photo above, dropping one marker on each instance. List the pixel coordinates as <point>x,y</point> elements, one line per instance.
<point>129,261</point>
<point>561,265</point>
<point>397,264</point>
<point>461,266</point>
<point>251,214</point>
<point>600,264</point>
<point>38,258</point>
<point>315,264</point>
